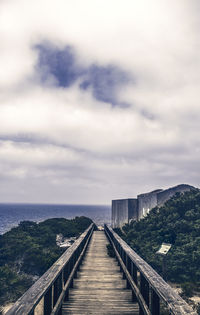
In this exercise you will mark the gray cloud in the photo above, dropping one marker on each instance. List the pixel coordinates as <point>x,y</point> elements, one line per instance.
<point>62,137</point>
<point>60,68</point>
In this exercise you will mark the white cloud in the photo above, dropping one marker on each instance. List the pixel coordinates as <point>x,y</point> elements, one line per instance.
<point>153,142</point>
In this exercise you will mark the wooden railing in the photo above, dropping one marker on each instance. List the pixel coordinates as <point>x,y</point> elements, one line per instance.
<point>148,288</point>
<point>48,293</point>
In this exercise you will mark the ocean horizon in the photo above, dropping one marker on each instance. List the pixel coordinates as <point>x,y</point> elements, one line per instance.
<point>11,214</point>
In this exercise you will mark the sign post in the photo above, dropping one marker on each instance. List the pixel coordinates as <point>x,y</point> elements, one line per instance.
<point>163,250</point>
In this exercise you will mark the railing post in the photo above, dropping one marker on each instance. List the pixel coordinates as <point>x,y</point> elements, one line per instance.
<point>78,254</point>
<point>118,250</point>
<point>74,261</point>
<point>120,253</point>
<point>55,293</point>
<point>155,303</point>
<point>48,302</point>
<point>60,311</point>
<point>128,266</point>
<point>66,272</point>
<point>57,289</point>
<point>124,261</point>
<point>144,289</point>
<point>71,264</point>
<point>66,275</point>
<point>133,273</point>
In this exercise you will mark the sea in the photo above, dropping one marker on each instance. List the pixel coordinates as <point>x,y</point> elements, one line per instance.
<point>12,214</point>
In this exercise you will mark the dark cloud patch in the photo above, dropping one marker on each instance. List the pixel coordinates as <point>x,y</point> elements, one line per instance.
<point>29,138</point>
<point>62,66</point>
<point>104,81</point>
<point>18,138</point>
<point>147,114</point>
<point>59,63</point>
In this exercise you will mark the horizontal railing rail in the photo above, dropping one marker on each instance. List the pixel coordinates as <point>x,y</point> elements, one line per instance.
<point>49,291</point>
<point>147,285</point>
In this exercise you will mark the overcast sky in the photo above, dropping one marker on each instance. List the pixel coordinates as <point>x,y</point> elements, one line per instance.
<point>98,99</point>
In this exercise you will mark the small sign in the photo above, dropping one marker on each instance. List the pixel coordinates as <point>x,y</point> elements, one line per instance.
<point>163,250</point>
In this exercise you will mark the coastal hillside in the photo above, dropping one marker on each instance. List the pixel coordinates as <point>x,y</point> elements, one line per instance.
<point>177,222</point>
<point>29,249</point>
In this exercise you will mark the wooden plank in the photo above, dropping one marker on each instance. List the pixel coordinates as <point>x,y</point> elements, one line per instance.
<point>99,287</point>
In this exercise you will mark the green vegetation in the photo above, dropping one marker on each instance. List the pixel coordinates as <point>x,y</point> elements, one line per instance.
<point>176,222</point>
<point>28,250</point>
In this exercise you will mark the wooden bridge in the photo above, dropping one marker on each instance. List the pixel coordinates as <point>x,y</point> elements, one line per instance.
<point>86,280</point>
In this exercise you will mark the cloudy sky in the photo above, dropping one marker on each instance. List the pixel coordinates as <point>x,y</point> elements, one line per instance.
<point>98,99</point>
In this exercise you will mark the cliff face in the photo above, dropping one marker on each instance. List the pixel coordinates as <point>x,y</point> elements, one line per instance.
<point>125,210</point>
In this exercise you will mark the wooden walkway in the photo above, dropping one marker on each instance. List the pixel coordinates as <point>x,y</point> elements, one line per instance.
<point>99,287</point>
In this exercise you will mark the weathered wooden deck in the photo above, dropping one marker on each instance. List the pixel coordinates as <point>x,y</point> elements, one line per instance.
<point>99,287</point>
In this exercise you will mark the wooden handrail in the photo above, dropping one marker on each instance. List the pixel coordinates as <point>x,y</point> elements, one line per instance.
<point>151,283</point>
<point>54,283</point>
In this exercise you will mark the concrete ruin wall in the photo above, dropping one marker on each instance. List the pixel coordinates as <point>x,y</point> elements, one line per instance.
<point>119,212</point>
<point>146,202</point>
<point>165,195</point>
<point>125,210</point>
<point>132,209</point>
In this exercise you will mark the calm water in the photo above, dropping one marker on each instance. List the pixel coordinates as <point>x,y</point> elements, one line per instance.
<point>12,214</point>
